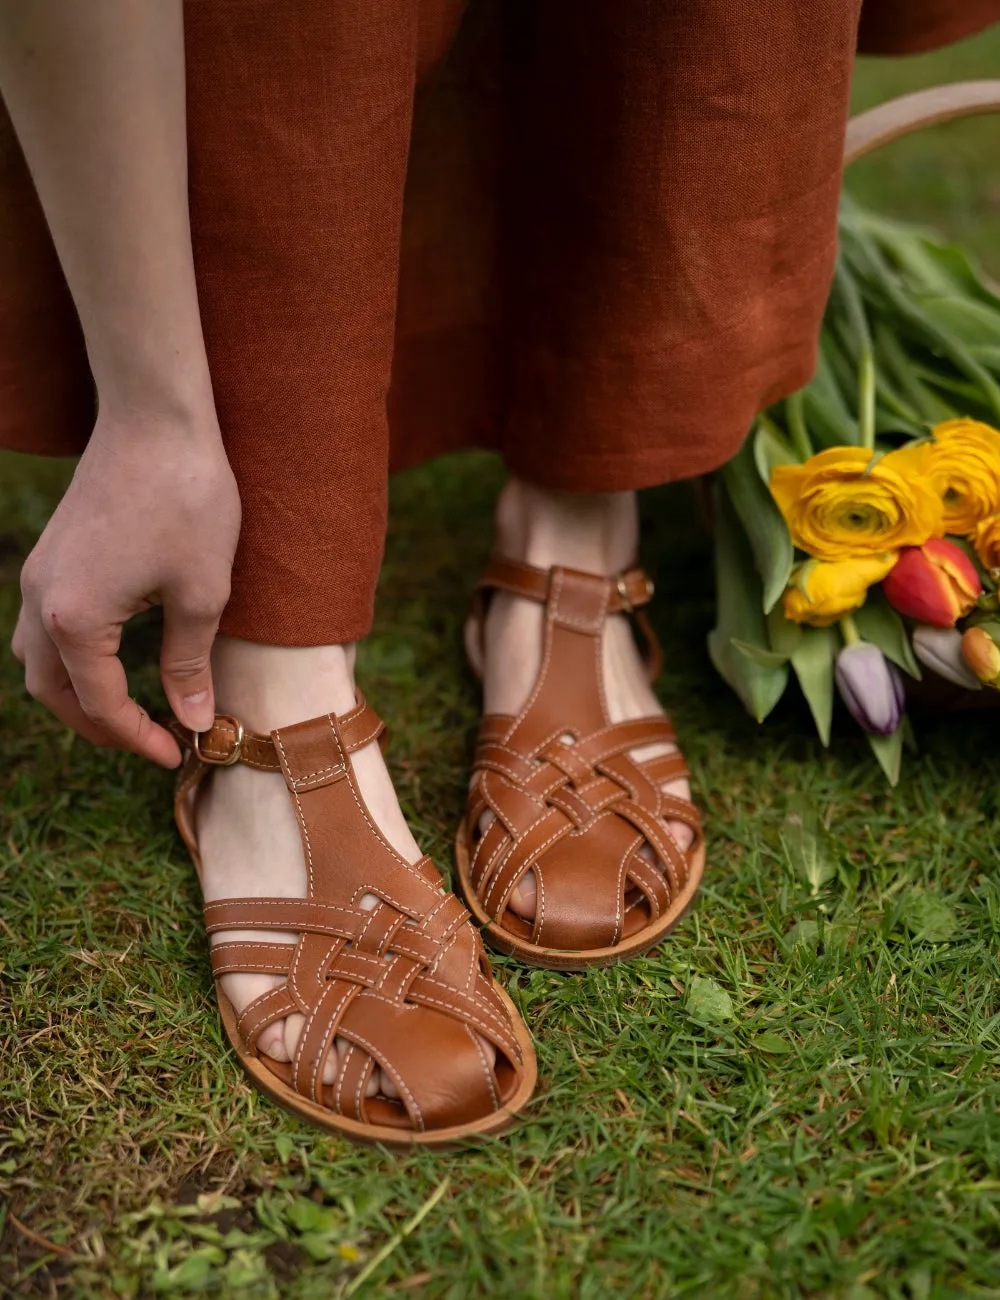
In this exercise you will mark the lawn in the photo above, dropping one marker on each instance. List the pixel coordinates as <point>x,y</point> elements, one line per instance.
<point>798,1095</point>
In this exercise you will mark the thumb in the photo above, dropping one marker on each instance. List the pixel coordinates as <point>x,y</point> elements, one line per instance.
<point>186,666</point>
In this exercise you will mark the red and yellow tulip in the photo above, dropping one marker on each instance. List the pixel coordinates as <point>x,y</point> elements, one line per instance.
<point>935,583</point>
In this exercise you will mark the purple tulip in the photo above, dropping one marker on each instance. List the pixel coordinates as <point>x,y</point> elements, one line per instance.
<point>940,650</point>
<point>871,687</point>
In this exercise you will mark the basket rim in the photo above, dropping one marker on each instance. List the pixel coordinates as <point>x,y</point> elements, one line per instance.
<point>898,117</point>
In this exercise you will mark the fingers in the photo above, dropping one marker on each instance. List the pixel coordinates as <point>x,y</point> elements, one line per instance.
<point>101,687</point>
<point>76,674</point>
<point>47,680</point>
<point>185,660</point>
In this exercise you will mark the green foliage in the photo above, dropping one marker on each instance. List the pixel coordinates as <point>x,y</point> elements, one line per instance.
<point>796,1095</point>
<point>738,644</point>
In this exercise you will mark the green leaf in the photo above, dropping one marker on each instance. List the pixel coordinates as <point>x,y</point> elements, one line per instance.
<point>962,270</point>
<point>889,752</point>
<point>739,616</point>
<point>756,655</point>
<point>807,845</point>
<point>194,1274</point>
<point>910,252</point>
<point>928,917</point>
<point>894,364</point>
<point>885,289</point>
<point>762,522</point>
<point>708,1002</point>
<point>784,635</point>
<point>827,414</point>
<point>284,1144</point>
<point>808,934</point>
<point>306,1216</point>
<point>770,449</point>
<point>972,323</point>
<point>773,1044</point>
<point>318,1247</point>
<point>813,661</point>
<point>879,623</point>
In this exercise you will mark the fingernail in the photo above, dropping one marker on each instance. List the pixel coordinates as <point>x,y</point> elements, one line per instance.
<point>198,711</point>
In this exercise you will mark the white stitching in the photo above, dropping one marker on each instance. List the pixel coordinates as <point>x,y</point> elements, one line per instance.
<point>487,1071</point>
<point>539,904</point>
<point>567,827</point>
<point>386,1064</point>
<point>463,1015</point>
<point>260,999</point>
<point>366,1071</point>
<point>329,1035</point>
<point>301,816</point>
<point>341,1073</point>
<point>258,968</point>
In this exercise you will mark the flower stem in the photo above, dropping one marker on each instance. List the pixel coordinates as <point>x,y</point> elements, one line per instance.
<point>849,630</point>
<point>866,397</point>
<point>795,415</point>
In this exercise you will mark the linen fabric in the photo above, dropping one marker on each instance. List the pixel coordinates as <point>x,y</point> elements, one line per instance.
<point>595,235</point>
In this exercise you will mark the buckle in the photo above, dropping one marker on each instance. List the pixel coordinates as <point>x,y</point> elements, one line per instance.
<point>213,759</point>
<point>628,606</point>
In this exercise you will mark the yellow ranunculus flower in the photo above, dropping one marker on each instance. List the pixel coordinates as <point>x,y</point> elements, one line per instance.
<point>986,540</point>
<point>965,469</point>
<point>840,504</point>
<point>821,592</point>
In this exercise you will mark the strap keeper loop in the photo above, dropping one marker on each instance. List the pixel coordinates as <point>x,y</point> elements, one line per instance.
<point>213,759</point>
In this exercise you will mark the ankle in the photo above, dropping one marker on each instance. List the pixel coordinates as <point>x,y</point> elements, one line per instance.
<point>596,532</point>
<point>268,686</point>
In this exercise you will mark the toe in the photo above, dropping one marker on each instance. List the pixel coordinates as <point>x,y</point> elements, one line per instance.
<point>272,1042</point>
<point>279,1041</point>
<point>524,896</point>
<point>683,834</point>
<point>293,1028</point>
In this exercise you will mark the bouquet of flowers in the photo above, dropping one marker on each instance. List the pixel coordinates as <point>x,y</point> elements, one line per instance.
<point>858,529</point>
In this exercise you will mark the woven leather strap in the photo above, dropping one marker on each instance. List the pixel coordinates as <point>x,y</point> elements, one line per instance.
<point>384,960</point>
<point>568,801</point>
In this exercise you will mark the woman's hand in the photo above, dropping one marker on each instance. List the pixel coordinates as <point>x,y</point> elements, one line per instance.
<point>96,94</point>
<point>151,517</point>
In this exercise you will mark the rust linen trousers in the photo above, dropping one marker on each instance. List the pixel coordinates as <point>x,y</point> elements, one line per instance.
<point>596,235</point>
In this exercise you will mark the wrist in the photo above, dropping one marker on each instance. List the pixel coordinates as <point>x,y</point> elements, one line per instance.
<point>181,401</point>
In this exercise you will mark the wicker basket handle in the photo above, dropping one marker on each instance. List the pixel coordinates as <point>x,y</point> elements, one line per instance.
<point>908,113</point>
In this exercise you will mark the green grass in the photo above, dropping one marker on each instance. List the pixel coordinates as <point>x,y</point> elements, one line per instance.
<point>797,1095</point>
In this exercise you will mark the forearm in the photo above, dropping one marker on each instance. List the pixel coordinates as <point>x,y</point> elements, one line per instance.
<point>95,89</point>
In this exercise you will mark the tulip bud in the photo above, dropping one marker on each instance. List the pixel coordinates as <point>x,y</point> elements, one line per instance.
<point>936,583</point>
<point>982,654</point>
<point>940,650</point>
<point>871,687</point>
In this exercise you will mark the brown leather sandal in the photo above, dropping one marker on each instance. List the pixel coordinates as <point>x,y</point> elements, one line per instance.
<point>407,983</point>
<point>569,803</point>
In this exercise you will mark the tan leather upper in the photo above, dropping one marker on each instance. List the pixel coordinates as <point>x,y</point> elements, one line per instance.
<point>569,802</point>
<point>406,983</point>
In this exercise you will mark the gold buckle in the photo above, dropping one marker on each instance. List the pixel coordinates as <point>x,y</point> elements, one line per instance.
<point>623,593</point>
<point>230,759</point>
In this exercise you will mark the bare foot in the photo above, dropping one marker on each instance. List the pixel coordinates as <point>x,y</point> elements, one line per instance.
<point>248,835</point>
<point>596,533</point>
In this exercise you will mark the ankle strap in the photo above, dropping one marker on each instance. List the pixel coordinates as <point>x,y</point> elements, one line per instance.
<point>227,741</point>
<point>629,590</point>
